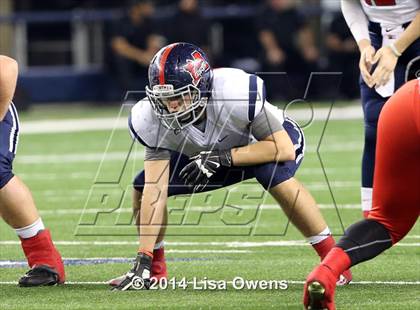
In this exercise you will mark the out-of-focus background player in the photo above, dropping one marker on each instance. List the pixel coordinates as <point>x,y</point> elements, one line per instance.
<point>17,207</point>
<point>387,33</point>
<point>396,197</point>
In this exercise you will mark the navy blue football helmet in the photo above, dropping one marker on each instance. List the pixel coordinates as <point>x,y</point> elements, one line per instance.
<point>179,71</point>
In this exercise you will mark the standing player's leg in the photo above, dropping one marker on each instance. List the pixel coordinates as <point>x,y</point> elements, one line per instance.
<point>372,104</point>
<point>396,199</point>
<point>18,209</point>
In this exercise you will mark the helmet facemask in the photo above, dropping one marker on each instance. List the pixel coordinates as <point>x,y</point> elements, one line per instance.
<point>191,108</point>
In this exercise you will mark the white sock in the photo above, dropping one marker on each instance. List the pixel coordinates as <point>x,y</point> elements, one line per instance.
<point>159,245</point>
<point>366,195</point>
<point>320,237</point>
<point>30,230</point>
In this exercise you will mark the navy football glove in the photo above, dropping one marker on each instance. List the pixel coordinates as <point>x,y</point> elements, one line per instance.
<point>203,166</point>
<point>138,278</point>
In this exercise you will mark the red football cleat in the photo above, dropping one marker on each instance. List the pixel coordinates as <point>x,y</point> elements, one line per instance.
<point>43,258</point>
<point>345,278</point>
<point>319,289</point>
<point>159,264</point>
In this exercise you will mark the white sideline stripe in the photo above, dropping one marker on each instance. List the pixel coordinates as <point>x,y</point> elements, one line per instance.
<point>73,125</point>
<point>56,176</point>
<point>254,188</point>
<point>412,237</point>
<point>248,187</point>
<point>229,244</point>
<point>120,156</point>
<point>74,157</point>
<point>193,208</point>
<point>206,251</point>
<point>47,176</point>
<point>230,282</point>
<point>108,123</point>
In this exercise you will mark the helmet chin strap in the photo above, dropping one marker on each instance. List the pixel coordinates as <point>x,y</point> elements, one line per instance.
<point>190,115</point>
<point>202,117</point>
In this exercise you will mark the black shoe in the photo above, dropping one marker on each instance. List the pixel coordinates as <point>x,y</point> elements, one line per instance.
<point>39,276</point>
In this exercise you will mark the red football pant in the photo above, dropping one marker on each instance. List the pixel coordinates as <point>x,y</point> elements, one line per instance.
<point>396,184</point>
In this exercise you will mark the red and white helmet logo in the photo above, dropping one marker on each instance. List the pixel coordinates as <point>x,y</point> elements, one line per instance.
<point>196,67</point>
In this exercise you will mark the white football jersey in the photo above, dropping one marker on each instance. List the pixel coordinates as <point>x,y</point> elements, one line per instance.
<point>390,12</point>
<point>237,97</point>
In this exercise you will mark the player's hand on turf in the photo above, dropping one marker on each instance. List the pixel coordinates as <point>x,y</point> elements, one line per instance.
<point>387,61</point>
<point>203,166</point>
<point>138,278</point>
<point>365,64</point>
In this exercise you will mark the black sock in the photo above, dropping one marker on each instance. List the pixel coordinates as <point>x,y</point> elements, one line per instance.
<point>364,240</point>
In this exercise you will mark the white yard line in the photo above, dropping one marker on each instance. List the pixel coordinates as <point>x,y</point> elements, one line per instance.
<point>191,208</point>
<point>230,282</point>
<point>228,244</point>
<point>412,237</point>
<point>74,157</point>
<point>109,123</point>
<point>120,156</point>
<point>248,187</point>
<point>73,125</point>
<point>207,251</point>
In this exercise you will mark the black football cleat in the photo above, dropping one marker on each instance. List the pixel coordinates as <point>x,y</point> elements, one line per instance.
<point>39,276</point>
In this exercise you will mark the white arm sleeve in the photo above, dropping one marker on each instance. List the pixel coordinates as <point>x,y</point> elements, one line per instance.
<point>356,19</point>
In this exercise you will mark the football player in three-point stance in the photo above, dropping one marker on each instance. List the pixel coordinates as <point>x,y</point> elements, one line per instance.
<point>205,129</point>
<point>17,207</point>
<point>396,197</point>
<point>387,32</point>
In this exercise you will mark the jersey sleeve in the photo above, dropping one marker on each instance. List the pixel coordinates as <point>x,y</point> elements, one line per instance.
<point>156,154</point>
<point>356,19</point>
<point>142,126</point>
<point>243,96</point>
<point>257,95</point>
<point>134,134</point>
<point>267,122</point>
